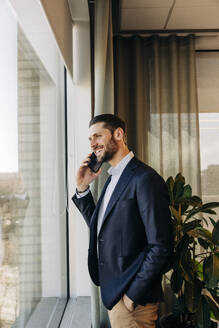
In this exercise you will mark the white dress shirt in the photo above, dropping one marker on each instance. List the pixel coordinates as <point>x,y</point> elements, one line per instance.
<point>115,172</point>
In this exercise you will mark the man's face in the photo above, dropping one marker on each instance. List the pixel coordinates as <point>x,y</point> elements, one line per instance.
<point>102,142</point>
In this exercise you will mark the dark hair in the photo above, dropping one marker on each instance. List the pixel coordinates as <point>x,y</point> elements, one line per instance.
<point>111,122</point>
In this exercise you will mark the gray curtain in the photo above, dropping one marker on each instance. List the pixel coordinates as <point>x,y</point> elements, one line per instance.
<point>156,94</point>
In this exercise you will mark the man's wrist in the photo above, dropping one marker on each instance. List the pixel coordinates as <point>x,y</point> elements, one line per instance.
<point>82,190</point>
<point>130,300</point>
<point>128,303</point>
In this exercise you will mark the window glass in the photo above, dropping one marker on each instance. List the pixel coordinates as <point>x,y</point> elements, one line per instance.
<point>208,88</point>
<point>32,179</point>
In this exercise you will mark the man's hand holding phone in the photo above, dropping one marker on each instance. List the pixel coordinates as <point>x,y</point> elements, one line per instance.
<point>85,174</point>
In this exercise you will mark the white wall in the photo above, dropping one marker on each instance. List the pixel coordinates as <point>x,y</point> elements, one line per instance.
<point>8,87</point>
<point>79,114</point>
<point>33,21</point>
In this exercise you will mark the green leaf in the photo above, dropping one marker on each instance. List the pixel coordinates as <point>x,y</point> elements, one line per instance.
<point>179,306</point>
<point>179,177</point>
<point>212,221</point>
<point>187,192</point>
<point>193,294</point>
<point>199,270</point>
<point>184,207</point>
<point>170,184</point>
<point>209,211</point>
<point>213,306</point>
<point>178,187</point>
<point>204,233</point>
<point>203,243</point>
<point>215,234</point>
<point>203,314</point>
<point>187,266</point>
<point>202,209</point>
<point>182,247</point>
<point>191,225</point>
<point>204,219</point>
<point>175,213</point>
<point>176,280</point>
<point>211,270</point>
<point>210,205</point>
<point>194,201</point>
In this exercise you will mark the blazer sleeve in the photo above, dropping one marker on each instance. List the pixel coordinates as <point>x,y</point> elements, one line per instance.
<point>85,205</point>
<point>153,204</point>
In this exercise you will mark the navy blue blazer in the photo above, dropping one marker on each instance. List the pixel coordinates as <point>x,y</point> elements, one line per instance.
<point>135,241</point>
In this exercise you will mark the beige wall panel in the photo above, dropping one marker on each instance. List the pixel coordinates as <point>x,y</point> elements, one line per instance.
<point>59,17</point>
<point>196,3</point>
<point>146,3</point>
<point>208,81</point>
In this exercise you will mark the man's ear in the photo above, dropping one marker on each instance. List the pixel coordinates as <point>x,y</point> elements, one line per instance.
<point>118,134</point>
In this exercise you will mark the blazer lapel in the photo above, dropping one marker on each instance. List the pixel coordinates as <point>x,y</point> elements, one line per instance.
<point>121,185</point>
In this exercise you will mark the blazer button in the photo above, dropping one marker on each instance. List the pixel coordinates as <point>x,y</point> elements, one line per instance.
<point>101,263</point>
<point>101,240</point>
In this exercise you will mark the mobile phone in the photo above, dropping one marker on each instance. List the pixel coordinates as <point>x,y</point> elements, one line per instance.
<point>94,164</point>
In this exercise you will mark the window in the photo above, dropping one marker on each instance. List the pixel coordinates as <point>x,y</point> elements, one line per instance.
<point>208,87</point>
<point>32,177</point>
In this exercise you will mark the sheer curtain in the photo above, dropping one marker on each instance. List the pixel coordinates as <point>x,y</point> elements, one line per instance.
<point>156,94</point>
<point>104,103</point>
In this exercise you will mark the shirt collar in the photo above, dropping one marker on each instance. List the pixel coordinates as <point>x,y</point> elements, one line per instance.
<point>117,170</point>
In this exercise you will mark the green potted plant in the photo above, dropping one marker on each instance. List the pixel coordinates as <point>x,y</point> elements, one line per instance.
<point>194,277</point>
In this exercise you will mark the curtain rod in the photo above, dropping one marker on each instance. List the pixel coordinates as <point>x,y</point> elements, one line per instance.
<point>207,50</point>
<point>134,32</point>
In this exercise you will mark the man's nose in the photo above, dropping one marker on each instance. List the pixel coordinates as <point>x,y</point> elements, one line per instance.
<point>92,143</point>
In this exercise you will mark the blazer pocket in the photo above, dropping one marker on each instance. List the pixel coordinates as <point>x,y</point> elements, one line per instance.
<point>124,262</point>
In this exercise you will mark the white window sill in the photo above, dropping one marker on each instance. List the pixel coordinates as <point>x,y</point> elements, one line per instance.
<point>49,313</point>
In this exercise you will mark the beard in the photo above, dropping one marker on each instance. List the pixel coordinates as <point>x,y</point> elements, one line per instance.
<point>111,150</point>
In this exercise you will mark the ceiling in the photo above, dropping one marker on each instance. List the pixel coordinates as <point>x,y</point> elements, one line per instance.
<point>200,17</point>
<point>169,14</point>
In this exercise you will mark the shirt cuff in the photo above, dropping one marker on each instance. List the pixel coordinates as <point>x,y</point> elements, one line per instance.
<point>82,194</point>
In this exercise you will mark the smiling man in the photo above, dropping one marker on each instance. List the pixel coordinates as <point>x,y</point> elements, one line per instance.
<point>130,227</point>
